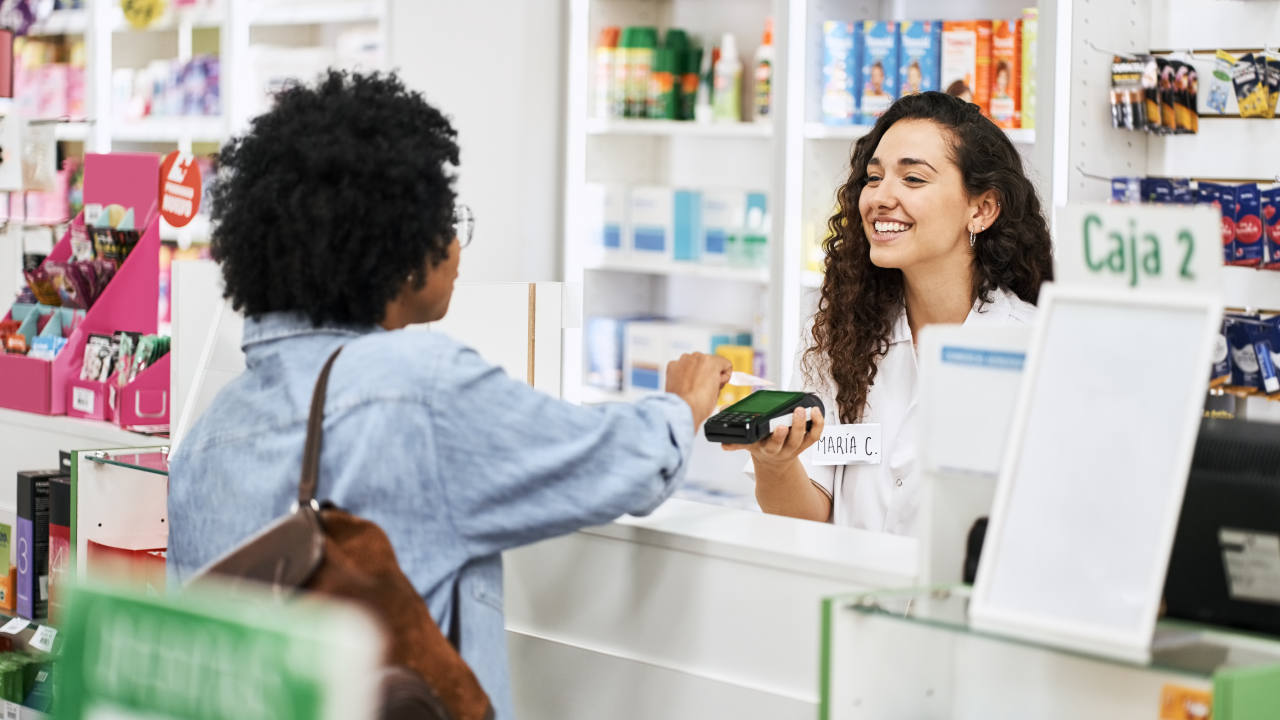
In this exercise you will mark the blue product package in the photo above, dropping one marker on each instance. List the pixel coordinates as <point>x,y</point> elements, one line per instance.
<point>1248,222</point>
<point>878,63</point>
<point>1221,374</point>
<point>1157,191</point>
<point>1126,190</point>
<point>1266,348</point>
<point>1182,194</point>
<point>839,73</point>
<point>604,344</point>
<point>1245,375</point>
<point>919,56</point>
<point>688,224</point>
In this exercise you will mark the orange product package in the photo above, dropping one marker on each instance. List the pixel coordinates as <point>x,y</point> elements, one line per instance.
<point>1006,73</point>
<point>966,61</point>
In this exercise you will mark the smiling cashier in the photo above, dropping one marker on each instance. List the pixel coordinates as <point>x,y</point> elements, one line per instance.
<point>937,223</point>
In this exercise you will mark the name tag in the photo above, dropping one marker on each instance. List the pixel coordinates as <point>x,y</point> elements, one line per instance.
<point>848,445</point>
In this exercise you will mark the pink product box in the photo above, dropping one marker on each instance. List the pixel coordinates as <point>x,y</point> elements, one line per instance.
<point>52,90</point>
<point>76,92</point>
<point>89,399</point>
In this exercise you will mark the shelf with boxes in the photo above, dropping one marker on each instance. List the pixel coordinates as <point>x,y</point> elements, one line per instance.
<point>823,131</point>
<point>670,128</point>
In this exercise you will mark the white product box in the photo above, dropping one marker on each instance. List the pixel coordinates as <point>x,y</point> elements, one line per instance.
<point>644,356</point>
<point>651,216</point>
<point>723,215</point>
<point>605,212</point>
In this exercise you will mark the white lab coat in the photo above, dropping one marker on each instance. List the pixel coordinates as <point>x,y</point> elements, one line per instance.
<point>886,497</point>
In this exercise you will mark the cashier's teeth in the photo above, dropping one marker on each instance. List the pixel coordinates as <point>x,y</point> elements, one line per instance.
<point>891,227</point>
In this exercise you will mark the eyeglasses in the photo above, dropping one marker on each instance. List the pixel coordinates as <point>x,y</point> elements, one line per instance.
<point>464,224</point>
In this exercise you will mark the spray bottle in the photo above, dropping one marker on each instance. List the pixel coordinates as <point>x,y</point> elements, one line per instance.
<point>763,73</point>
<point>727,101</point>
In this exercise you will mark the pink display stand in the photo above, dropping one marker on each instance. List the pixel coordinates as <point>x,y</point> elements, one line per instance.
<point>143,404</point>
<point>88,399</point>
<point>129,303</point>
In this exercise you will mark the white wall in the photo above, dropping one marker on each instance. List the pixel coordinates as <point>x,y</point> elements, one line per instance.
<point>496,68</point>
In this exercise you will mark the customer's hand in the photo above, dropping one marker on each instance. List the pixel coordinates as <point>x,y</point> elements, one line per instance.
<point>784,444</point>
<point>697,379</point>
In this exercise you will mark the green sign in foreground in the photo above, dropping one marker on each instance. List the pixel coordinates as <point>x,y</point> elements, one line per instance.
<point>211,658</point>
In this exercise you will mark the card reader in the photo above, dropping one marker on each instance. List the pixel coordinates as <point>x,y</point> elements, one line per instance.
<point>748,420</point>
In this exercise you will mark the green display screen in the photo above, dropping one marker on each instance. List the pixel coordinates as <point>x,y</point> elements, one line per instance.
<point>765,401</point>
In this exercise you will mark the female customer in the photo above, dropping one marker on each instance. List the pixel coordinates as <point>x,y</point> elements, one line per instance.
<point>937,223</point>
<point>335,227</point>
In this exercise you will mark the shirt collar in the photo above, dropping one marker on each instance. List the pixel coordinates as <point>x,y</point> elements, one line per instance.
<point>281,325</point>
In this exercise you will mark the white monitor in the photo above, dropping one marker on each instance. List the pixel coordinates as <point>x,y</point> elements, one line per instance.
<point>1092,481</point>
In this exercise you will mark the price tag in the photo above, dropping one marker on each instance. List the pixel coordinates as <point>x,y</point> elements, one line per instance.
<point>82,399</point>
<point>14,626</point>
<point>848,445</point>
<point>43,639</point>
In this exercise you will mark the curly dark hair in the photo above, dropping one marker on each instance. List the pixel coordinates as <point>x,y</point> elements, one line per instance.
<point>860,302</point>
<point>333,198</point>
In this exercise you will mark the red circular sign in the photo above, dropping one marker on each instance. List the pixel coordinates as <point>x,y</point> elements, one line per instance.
<point>180,188</point>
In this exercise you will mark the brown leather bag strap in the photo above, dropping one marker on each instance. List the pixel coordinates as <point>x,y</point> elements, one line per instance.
<point>315,437</point>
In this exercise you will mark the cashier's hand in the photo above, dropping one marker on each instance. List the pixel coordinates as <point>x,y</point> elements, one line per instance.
<point>786,443</point>
<point>697,379</point>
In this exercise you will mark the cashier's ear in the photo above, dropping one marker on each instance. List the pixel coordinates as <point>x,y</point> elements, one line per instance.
<point>984,209</point>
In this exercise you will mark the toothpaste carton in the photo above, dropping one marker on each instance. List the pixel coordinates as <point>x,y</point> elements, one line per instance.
<point>919,50</point>
<point>1248,245</point>
<point>651,214</point>
<point>878,61</point>
<point>1271,228</point>
<point>839,73</point>
<point>605,210</point>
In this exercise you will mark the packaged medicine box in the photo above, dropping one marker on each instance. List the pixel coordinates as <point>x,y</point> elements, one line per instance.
<point>723,215</point>
<point>605,210</point>
<point>651,214</point>
<point>688,225</point>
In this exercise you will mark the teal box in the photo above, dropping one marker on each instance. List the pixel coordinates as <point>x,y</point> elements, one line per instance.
<point>878,64</point>
<point>919,56</point>
<point>688,225</point>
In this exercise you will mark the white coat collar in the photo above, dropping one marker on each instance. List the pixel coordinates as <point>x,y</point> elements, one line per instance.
<point>1005,308</point>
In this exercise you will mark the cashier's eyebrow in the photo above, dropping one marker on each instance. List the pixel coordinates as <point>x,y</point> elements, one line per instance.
<point>915,161</point>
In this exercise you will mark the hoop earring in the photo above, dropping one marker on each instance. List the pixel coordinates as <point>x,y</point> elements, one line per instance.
<point>971,239</point>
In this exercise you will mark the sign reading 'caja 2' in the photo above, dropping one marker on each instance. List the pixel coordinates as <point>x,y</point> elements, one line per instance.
<point>1143,247</point>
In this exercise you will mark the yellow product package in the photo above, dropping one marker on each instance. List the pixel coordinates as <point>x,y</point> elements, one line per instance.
<point>743,358</point>
<point>1251,88</point>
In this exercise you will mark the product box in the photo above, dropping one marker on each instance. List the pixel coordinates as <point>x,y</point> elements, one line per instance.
<point>919,53</point>
<point>1030,36</point>
<point>1271,228</point>
<point>1266,342</point>
<point>839,73</point>
<point>8,597</point>
<point>33,542</point>
<point>1006,75</point>
<point>723,215</point>
<point>750,246</point>
<point>605,211</point>
<point>966,61</point>
<point>688,225</point>
<point>1248,241</point>
<point>605,339</point>
<point>651,216</point>
<point>59,541</point>
<point>878,67</point>
<point>644,362</point>
<point>743,358</point>
<point>1221,373</point>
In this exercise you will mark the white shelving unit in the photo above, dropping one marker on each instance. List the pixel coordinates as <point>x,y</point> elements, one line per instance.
<point>795,158</point>
<point>240,24</point>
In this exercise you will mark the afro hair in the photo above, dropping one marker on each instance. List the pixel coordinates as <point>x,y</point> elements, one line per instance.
<point>333,199</point>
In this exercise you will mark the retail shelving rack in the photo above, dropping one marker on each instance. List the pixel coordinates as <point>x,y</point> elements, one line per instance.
<point>795,158</point>
<point>1230,149</point>
<point>228,27</point>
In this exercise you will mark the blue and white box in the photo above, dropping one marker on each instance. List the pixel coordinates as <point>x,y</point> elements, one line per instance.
<point>919,56</point>
<point>688,225</point>
<point>605,211</point>
<point>723,215</point>
<point>651,216</point>
<point>839,73</point>
<point>644,356</point>
<point>606,337</point>
<point>878,63</point>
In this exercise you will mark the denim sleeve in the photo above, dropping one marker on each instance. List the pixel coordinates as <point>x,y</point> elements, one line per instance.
<point>520,466</point>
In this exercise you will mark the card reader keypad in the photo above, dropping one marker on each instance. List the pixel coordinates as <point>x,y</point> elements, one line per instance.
<point>734,418</point>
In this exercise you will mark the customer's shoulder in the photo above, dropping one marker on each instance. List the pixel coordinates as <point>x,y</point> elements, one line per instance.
<point>409,356</point>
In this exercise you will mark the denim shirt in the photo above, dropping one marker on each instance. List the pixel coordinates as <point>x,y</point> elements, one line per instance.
<point>453,459</point>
